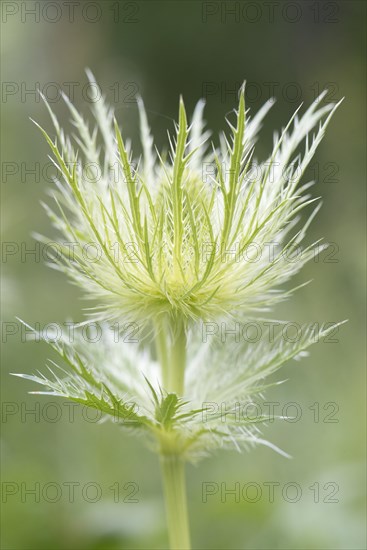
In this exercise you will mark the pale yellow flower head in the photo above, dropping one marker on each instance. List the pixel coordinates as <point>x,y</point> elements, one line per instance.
<point>200,233</point>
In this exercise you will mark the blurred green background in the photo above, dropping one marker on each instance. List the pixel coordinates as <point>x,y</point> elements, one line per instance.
<point>290,50</point>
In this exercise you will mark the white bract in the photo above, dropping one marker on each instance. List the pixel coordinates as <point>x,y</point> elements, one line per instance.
<point>223,380</point>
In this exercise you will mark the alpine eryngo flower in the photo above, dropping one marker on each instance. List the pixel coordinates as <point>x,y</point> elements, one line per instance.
<point>171,236</point>
<point>179,239</point>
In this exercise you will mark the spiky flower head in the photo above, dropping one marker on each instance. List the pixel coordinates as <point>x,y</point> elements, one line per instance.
<point>174,244</point>
<point>182,234</point>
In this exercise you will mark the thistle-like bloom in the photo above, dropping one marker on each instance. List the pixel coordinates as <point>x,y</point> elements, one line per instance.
<point>174,242</point>
<point>177,239</point>
<point>183,235</point>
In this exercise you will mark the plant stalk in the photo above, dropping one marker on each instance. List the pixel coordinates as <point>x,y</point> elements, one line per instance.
<point>172,354</point>
<point>173,472</point>
<point>176,379</point>
<point>171,351</point>
<point>162,351</point>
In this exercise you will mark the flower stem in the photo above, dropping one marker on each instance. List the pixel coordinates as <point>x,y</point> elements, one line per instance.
<point>172,354</point>
<point>172,358</point>
<point>162,352</point>
<point>173,471</point>
<point>176,379</point>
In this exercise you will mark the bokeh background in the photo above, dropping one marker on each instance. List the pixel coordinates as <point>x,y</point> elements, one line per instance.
<point>290,50</point>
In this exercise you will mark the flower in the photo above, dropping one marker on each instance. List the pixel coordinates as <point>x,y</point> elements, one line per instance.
<point>176,235</point>
<point>175,247</point>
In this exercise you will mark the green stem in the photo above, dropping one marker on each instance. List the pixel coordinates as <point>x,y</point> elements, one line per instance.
<point>162,351</point>
<point>171,351</point>
<point>176,379</point>
<point>172,356</point>
<point>173,471</point>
